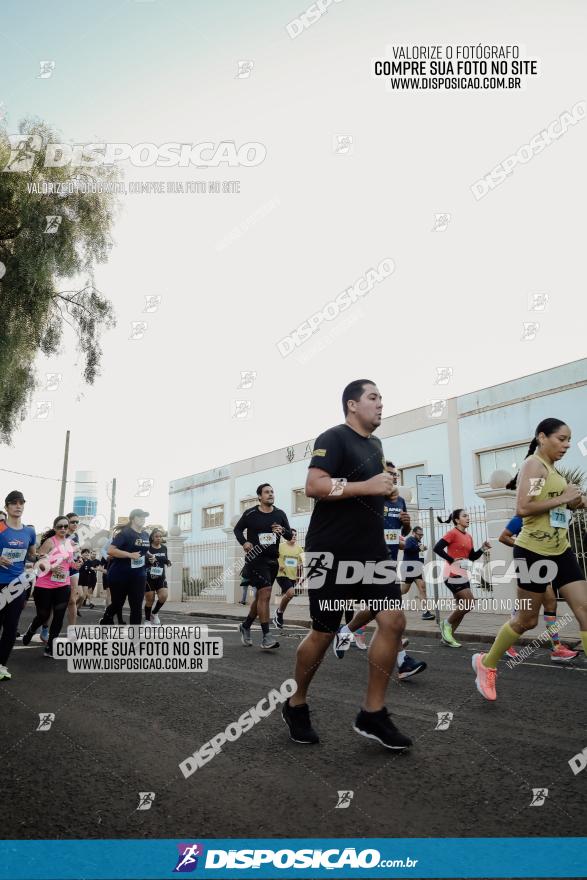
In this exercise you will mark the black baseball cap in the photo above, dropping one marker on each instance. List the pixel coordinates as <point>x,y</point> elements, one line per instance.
<point>13,497</point>
<point>137,512</point>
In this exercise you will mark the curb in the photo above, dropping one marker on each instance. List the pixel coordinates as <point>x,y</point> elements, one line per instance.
<point>484,638</point>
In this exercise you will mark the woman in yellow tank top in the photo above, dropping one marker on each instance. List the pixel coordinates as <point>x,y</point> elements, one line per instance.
<point>542,552</point>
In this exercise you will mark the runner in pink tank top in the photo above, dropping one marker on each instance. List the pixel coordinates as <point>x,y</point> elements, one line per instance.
<point>52,589</point>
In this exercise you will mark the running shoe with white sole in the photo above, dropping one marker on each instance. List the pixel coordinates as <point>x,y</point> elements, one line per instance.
<point>4,673</point>
<point>297,719</point>
<point>428,615</point>
<point>511,652</point>
<point>245,635</point>
<point>410,667</point>
<point>485,680</point>
<point>277,620</point>
<point>155,620</point>
<point>562,654</point>
<point>379,726</point>
<point>45,634</point>
<point>360,641</point>
<point>342,642</point>
<point>447,637</point>
<point>268,642</point>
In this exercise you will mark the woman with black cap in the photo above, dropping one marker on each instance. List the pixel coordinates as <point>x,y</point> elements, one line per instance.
<point>127,571</point>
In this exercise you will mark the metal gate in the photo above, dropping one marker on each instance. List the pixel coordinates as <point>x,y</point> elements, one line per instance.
<point>204,571</point>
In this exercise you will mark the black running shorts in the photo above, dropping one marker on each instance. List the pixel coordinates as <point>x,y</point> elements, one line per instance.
<point>457,584</point>
<point>262,572</point>
<point>532,575</point>
<point>155,584</point>
<point>286,584</point>
<point>411,571</point>
<point>328,602</point>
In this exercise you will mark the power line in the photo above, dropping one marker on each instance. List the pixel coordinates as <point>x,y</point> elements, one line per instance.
<point>55,479</point>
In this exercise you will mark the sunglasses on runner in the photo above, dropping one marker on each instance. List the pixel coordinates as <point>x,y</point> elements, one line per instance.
<point>62,526</point>
<point>74,522</point>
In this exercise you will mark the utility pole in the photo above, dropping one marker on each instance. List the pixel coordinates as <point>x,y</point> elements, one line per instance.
<point>113,503</point>
<point>64,475</point>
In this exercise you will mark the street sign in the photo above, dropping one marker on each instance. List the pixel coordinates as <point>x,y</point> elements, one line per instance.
<point>430,489</point>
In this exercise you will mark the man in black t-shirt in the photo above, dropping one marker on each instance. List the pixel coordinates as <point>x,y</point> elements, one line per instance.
<point>345,541</point>
<point>264,525</point>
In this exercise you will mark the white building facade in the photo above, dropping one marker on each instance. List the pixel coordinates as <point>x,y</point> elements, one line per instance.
<point>463,438</point>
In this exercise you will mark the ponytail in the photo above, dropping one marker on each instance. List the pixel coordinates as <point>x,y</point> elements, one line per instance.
<point>452,517</point>
<point>547,427</point>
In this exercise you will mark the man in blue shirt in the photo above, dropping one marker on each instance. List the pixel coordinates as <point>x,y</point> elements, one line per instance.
<point>413,568</point>
<point>17,546</point>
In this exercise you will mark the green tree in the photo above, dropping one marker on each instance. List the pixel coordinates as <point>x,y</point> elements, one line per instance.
<point>36,263</point>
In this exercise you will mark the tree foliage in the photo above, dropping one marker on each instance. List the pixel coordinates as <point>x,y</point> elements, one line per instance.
<point>38,264</point>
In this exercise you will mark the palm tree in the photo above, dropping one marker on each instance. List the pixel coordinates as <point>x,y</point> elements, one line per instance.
<point>574,475</point>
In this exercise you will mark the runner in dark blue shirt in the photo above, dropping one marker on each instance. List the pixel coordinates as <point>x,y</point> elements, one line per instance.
<point>127,571</point>
<point>412,568</point>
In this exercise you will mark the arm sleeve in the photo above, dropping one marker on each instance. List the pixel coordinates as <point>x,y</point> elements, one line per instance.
<point>440,550</point>
<point>475,554</point>
<point>239,530</point>
<point>328,453</point>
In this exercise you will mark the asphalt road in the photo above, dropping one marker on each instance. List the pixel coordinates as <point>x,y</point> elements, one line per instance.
<point>116,735</point>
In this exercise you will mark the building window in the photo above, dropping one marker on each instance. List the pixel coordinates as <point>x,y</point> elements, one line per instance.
<point>506,458</point>
<point>247,503</point>
<point>301,503</point>
<point>407,475</point>
<point>212,517</point>
<point>184,521</point>
<point>212,573</point>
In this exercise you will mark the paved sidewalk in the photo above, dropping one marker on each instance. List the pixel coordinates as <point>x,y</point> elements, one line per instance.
<point>476,627</point>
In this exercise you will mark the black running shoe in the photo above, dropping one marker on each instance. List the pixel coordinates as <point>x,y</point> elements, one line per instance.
<point>379,726</point>
<point>27,636</point>
<point>410,667</point>
<point>297,719</point>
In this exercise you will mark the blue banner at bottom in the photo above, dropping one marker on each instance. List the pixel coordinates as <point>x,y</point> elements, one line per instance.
<point>465,857</point>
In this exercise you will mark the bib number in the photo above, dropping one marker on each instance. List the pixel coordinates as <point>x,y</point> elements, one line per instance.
<point>137,563</point>
<point>290,562</point>
<point>267,538</point>
<point>391,536</point>
<point>156,572</point>
<point>13,554</point>
<point>59,578</point>
<point>560,517</point>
